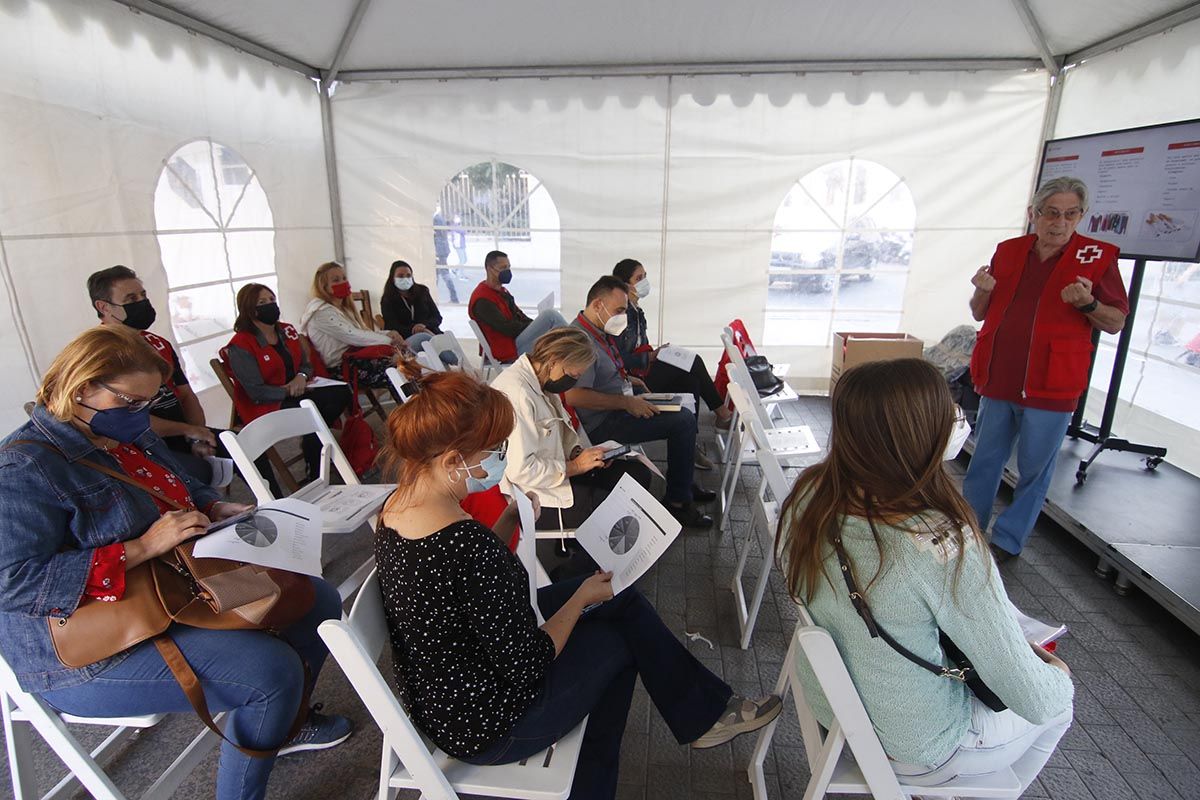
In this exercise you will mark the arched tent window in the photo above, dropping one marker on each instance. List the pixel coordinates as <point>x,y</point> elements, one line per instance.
<point>215,233</point>
<point>488,206</point>
<point>840,252</point>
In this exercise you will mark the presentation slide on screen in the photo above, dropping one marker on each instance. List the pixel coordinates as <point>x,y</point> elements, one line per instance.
<point>1145,187</point>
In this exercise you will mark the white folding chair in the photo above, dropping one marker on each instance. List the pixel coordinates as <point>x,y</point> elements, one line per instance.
<point>835,771</point>
<point>447,341</point>
<point>490,362</point>
<point>404,388</point>
<point>785,395</point>
<point>409,760</point>
<point>25,713</point>
<point>289,423</point>
<point>787,443</point>
<point>766,505</point>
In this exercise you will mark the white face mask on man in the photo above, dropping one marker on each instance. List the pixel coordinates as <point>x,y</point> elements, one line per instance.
<point>617,323</point>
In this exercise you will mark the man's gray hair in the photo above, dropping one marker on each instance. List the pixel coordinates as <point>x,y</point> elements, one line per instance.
<point>1059,186</point>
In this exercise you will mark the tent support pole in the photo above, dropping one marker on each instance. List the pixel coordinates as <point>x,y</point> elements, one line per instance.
<point>330,75</point>
<point>1156,26</point>
<point>331,175</point>
<point>1053,65</point>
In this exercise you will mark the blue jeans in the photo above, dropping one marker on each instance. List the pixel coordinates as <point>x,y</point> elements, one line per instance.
<point>677,427</point>
<point>594,675</point>
<point>255,676</point>
<point>546,321</point>
<point>1038,435</point>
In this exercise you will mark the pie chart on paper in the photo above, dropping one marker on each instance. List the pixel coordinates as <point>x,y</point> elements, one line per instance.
<point>257,532</point>
<point>624,535</point>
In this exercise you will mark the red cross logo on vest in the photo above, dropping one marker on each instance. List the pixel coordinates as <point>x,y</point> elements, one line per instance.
<point>1086,255</point>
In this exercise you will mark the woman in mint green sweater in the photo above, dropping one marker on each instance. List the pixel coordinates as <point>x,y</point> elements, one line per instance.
<point>916,555</point>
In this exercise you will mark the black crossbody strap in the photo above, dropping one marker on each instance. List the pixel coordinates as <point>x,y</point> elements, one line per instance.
<point>877,632</point>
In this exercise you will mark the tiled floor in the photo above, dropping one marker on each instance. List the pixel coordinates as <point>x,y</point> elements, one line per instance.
<point>1137,674</point>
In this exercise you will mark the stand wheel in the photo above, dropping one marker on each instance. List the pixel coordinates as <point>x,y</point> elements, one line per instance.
<point>1152,462</point>
<point>1080,477</point>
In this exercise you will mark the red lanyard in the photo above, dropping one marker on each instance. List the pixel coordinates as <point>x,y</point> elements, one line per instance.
<point>602,338</point>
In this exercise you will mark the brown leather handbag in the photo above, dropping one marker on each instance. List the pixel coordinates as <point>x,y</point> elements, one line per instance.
<point>211,593</point>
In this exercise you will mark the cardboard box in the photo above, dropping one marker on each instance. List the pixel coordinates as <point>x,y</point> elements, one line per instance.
<point>851,349</point>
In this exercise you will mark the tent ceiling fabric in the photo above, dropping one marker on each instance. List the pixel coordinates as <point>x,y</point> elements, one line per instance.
<point>460,34</point>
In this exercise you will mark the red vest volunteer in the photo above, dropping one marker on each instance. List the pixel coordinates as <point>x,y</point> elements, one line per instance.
<point>271,366</point>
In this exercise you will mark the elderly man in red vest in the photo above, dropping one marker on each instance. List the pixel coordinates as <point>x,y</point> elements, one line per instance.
<point>1039,300</point>
<point>509,330</point>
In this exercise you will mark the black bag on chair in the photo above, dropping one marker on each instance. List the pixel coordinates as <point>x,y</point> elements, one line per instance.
<point>763,375</point>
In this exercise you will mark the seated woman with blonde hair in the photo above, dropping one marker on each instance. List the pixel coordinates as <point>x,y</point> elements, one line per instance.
<point>478,674</point>
<point>881,521</point>
<point>72,531</point>
<point>545,454</point>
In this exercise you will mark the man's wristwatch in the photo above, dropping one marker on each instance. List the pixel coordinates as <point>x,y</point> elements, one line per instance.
<point>1089,308</point>
<point>302,375</point>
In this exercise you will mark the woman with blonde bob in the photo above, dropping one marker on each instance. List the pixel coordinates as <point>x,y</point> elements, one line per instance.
<point>545,454</point>
<point>336,329</point>
<point>881,514</point>
<point>477,672</point>
<point>71,531</point>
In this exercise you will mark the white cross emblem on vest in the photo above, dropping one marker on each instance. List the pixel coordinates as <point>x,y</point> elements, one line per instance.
<point>1086,255</point>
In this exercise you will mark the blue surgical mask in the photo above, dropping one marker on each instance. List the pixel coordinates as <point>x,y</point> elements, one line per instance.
<point>494,464</point>
<point>403,284</point>
<point>120,424</point>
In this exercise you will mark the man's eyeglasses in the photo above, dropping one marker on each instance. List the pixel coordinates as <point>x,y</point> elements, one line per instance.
<point>1055,214</point>
<point>133,404</point>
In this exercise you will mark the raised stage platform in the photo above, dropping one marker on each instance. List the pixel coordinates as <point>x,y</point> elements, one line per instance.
<point>1142,524</point>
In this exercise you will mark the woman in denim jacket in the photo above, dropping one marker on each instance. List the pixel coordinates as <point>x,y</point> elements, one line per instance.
<point>70,532</point>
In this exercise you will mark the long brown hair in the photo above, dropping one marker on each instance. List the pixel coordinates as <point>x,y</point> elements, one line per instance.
<point>247,303</point>
<point>891,423</point>
<point>450,411</point>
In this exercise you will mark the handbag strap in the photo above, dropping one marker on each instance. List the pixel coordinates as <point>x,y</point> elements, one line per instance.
<point>112,473</point>
<point>189,682</point>
<point>877,632</point>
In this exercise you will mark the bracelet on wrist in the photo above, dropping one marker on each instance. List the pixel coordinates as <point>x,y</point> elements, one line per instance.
<point>1089,308</point>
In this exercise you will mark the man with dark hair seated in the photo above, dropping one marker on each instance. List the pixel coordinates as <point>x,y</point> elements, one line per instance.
<point>509,330</point>
<point>119,298</point>
<point>607,406</point>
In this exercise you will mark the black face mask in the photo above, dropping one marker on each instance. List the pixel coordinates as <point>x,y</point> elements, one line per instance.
<point>505,276</point>
<point>139,315</point>
<point>560,385</point>
<point>267,313</point>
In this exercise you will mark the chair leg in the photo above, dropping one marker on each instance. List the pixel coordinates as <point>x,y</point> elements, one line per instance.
<point>199,748</point>
<point>19,738</point>
<point>80,763</point>
<point>388,764</point>
<point>825,762</point>
<point>756,602</point>
<point>376,406</point>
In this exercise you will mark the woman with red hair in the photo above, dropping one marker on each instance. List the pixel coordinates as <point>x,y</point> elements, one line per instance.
<point>478,674</point>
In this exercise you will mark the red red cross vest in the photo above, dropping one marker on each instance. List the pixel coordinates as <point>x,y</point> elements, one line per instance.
<point>166,352</point>
<point>1061,346</point>
<point>503,347</point>
<point>269,364</point>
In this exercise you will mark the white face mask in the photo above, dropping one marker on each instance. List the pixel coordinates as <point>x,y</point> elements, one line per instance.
<point>958,436</point>
<point>616,324</point>
<point>403,284</point>
<point>642,288</point>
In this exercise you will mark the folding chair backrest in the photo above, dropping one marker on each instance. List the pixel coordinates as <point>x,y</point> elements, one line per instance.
<point>269,430</point>
<point>489,360</point>
<point>819,650</point>
<point>222,372</point>
<point>430,361</point>
<point>403,387</point>
<point>356,643</point>
<point>740,374</point>
<point>448,341</point>
<point>772,469</point>
<point>363,298</point>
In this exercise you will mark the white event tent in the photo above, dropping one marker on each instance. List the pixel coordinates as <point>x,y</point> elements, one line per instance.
<point>206,143</point>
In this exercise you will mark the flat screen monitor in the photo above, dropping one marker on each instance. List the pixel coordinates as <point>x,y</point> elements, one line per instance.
<point>1144,185</point>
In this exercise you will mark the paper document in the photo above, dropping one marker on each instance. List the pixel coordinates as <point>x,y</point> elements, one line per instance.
<point>1037,631</point>
<point>628,532</point>
<point>679,357</point>
<point>317,383</point>
<point>345,508</point>
<point>546,303</point>
<point>526,551</point>
<point>634,455</point>
<point>285,534</point>
<point>222,471</point>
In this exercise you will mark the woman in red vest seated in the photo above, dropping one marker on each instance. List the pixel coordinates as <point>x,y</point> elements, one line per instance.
<point>272,367</point>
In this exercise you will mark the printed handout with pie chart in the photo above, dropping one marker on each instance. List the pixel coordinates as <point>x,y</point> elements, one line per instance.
<point>624,535</point>
<point>258,531</point>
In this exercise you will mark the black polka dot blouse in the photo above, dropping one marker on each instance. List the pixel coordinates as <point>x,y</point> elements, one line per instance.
<point>469,656</point>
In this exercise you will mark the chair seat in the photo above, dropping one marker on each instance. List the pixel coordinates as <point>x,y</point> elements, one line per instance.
<point>784,395</point>
<point>147,721</point>
<point>545,776</point>
<point>848,779</point>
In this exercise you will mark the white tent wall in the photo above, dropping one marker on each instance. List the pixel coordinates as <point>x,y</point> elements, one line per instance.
<point>1145,83</point>
<point>731,148</point>
<point>95,98</point>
